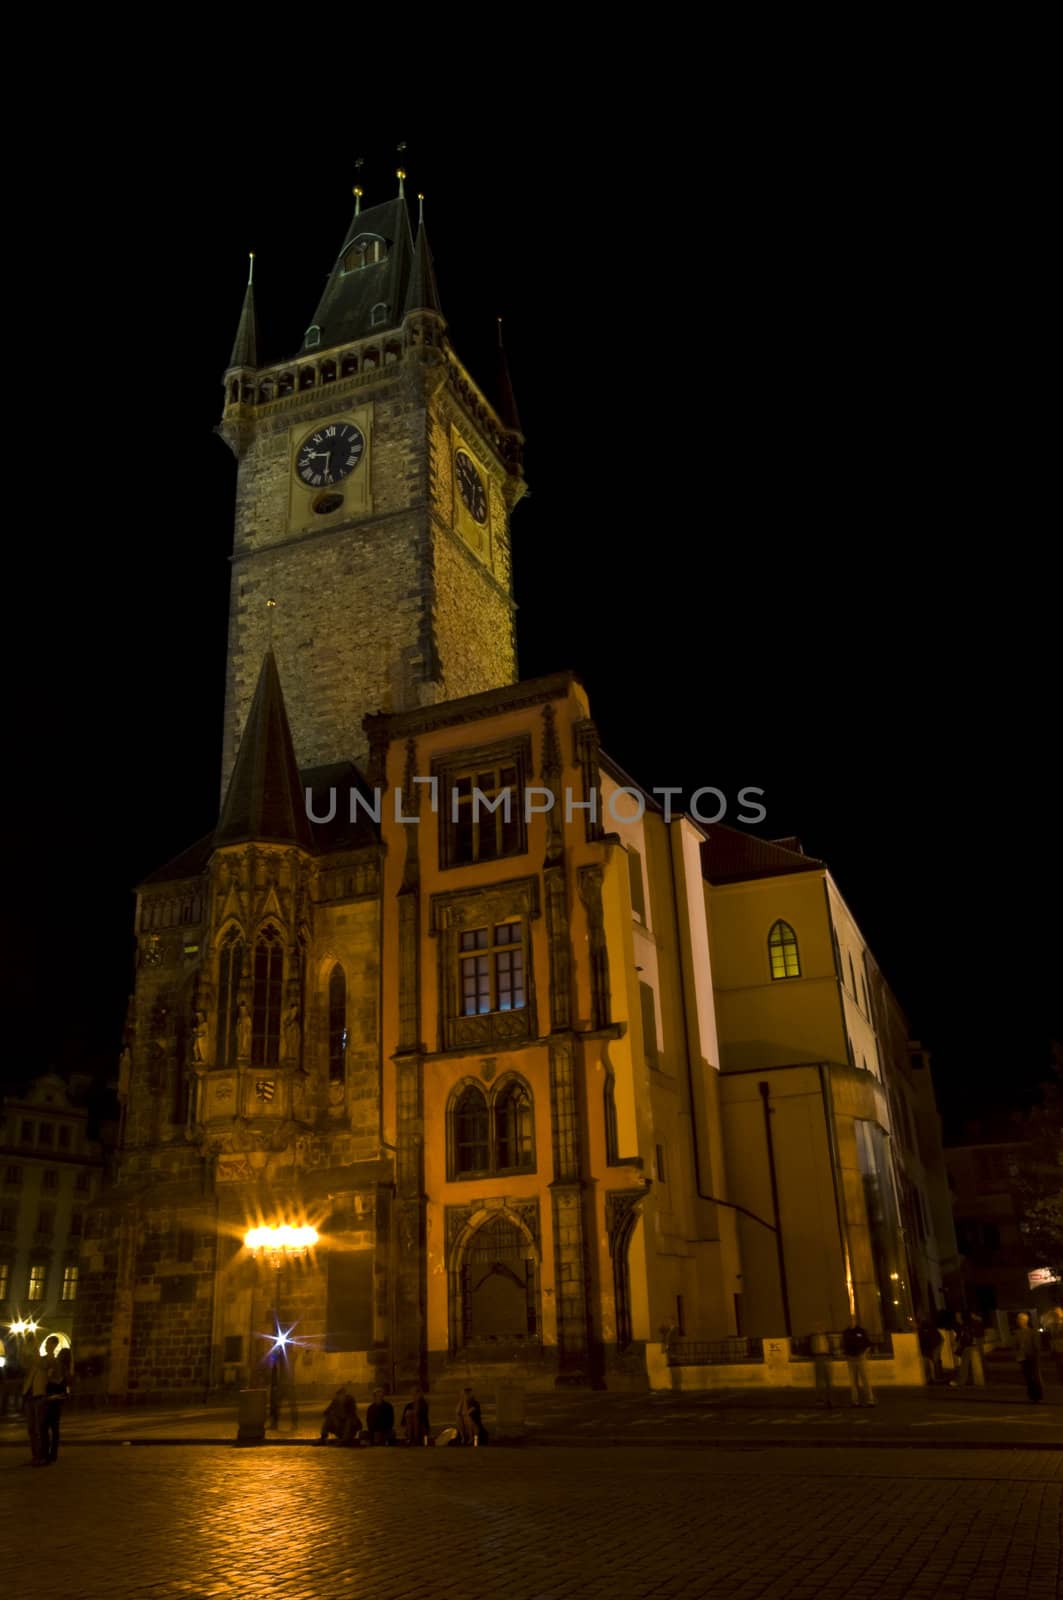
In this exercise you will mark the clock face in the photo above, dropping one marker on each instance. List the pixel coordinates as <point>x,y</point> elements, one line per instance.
<point>471,487</point>
<point>330,454</point>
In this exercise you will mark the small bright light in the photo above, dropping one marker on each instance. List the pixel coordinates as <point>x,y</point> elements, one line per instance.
<point>283,1238</point>
<point>3,1361</point>
<point>895,1275</point>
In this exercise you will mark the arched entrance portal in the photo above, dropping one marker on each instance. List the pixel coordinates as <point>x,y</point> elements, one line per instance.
<point>498,1286</point>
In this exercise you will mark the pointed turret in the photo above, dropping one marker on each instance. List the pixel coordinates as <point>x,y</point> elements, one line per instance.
<point>422,294</point>
<point>245,345</point>
<point>265,798</point>
<point>366,290</point>
<point>505,402</point>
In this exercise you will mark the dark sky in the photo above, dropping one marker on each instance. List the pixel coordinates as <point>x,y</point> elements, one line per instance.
<point>783,520</point>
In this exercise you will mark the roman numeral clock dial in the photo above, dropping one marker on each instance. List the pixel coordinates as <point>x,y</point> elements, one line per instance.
<point>329,455</point>
<point>470,487</point>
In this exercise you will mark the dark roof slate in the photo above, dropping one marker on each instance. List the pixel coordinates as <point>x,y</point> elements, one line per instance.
<point>730,856</point>
<point>265,800</point>
<point>344,312</point>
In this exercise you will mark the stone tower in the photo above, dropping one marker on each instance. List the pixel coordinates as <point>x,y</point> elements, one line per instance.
<point>374,492</point>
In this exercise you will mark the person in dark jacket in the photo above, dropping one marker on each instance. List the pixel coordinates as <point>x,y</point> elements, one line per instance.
<point>929,1345</point>
<point>856,1343</point>
<point>1028,1354</point>
<point>380,1420</point>
<point>341,1418</point>
<point>415,1424</point>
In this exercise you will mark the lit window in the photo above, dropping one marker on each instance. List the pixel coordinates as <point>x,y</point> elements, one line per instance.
<point>782,948</point>
<point>5,1275</point>
<point>364,252</point>
<point>492,972</point>
<point>70,1283</point>
<point>36,1284</point>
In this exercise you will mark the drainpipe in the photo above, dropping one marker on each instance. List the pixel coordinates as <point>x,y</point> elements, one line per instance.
<point>832,1144</point>
<point>765,1095</point>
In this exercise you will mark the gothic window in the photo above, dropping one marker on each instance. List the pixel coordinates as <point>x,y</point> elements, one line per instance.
<point>492,969</point>
<point>337,1025</point>
<point>483,1138</point>
<point>513,1127</point>
<point>230,971</point>
<point>266,999</point>
<point>470,1133</point>
<point>782,949</point>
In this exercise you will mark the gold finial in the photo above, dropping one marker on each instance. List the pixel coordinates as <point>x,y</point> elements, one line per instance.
<point>271,606</point>
<point>357,192</point>
<point>251,269</point>
<point>401,175</point>
<point>420,208</point>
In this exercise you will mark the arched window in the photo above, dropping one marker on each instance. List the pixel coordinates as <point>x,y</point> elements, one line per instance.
<point>313,336</point>
<point>363,252</point>
<point>230,971</point>
<point>378,315</point>
<point>514,1133</point>
<point>497,1286</point>
<point>266,999</point>
<point>471,1141</point>
<point>782,948</point>
<point>337,1025</point>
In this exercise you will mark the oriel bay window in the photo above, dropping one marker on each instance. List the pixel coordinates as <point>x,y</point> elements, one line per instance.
<point>268,975</point>
<point>492,969</point>
<point>481,803</point>
<point>485,964</point>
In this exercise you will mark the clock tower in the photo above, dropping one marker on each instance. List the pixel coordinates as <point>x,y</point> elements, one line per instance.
<point>375,486</point>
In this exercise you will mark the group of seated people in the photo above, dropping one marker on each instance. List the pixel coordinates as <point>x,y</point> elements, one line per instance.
<point>341,1421</point>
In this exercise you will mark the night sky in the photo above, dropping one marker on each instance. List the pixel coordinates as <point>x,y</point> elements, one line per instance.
<point>783,522</point>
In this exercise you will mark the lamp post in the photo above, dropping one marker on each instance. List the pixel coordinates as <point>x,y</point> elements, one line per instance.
<point>275,1244</point>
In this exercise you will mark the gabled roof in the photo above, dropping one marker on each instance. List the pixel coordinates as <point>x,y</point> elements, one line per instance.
<point>344,312</point>
<point>731,856</point>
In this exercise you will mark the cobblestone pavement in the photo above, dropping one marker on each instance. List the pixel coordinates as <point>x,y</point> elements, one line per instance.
<point>652,1524</point>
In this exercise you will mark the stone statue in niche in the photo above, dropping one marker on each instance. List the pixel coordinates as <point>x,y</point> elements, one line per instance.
<point>243,1031</point>
<point>293,1031</point>
<point>199,1037</point>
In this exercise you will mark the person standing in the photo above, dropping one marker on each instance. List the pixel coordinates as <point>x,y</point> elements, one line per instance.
<point>44,1370</point>
<point>819,1348</point>
<point>929,1345</point>
<point>56,1391</point>
<point>415,1424</point>
<point>380,1420</point>
<point>970,1369</point>
<point>856,1343</point>
<point>470,1421</point>
<point>1028,1354</point>
<point>1055,1339</point>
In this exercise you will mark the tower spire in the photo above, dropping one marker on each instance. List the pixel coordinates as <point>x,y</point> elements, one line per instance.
<point>422,293</point>
<point>245,345</point>
<point>507,405</point>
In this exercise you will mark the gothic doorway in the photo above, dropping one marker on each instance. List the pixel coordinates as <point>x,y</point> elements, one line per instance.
<point>498,1286</point>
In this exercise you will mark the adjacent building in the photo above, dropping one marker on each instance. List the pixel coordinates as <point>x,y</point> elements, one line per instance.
<point>50,1173</point>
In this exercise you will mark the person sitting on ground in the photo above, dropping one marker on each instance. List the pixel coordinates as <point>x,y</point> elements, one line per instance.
<point>341,1418</point>
<point>380,1420</point>
<point>470,1421</point>
<point>415,1424</point>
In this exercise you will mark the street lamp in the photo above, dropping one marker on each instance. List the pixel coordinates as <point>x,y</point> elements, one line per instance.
<point>276,1244</point>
